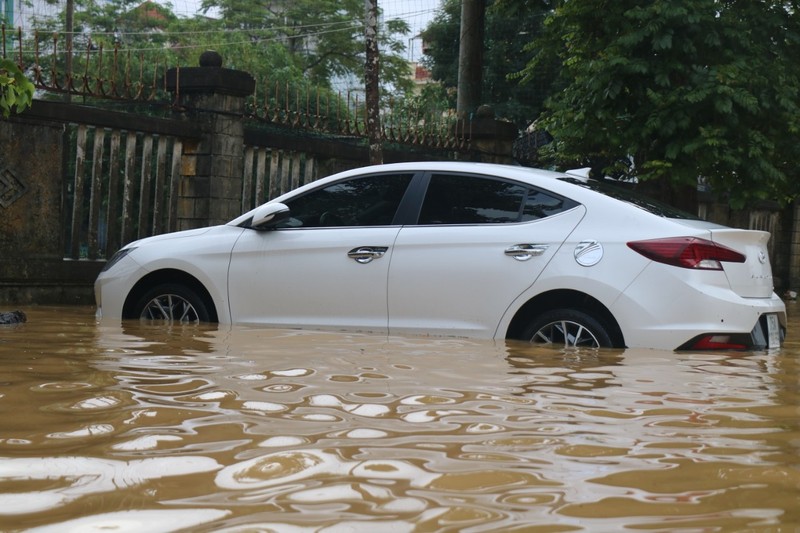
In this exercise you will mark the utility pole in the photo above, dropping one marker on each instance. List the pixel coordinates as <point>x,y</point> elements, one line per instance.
<point>470,57</point>
<point>371,83</point>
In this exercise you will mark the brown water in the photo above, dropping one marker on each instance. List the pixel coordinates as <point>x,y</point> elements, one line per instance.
<point>134,428</point>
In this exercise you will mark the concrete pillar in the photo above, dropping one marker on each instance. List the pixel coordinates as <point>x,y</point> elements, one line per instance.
<point>213,97</point>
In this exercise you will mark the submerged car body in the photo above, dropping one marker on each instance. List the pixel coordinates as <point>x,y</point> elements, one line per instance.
<point>462,249</point>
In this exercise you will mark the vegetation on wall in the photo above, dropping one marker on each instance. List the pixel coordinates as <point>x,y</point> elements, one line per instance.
<point>16,91</point>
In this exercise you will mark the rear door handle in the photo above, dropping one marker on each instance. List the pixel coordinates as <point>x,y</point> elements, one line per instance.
<point>365,254</point>
<point>523,252</point>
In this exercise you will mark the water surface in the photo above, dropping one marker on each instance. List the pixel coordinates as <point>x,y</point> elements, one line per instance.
<point>141,428</point>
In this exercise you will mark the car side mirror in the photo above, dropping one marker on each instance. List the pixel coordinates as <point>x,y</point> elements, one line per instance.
<point>269,215</point>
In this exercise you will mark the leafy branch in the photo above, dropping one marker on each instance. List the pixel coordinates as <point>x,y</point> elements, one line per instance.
<point>16,91</point>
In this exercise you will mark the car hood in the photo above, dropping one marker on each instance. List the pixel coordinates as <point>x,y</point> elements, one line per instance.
<point>170,236</point>
<point>753,278</point>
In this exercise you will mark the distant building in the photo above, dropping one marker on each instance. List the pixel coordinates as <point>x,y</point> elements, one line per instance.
<point>27,14</point>
<point>421,76</point>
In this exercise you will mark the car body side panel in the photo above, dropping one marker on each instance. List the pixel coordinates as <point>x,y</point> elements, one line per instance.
<point>304,277</point>
<point>604,281</point>
<point>456,280</point>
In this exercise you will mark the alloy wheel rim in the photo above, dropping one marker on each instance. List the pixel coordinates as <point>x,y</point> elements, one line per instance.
<point>170,308</point>
<point>567,333</point>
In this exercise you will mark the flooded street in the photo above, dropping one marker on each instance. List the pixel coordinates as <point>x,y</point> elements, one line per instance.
<point>137,428</point>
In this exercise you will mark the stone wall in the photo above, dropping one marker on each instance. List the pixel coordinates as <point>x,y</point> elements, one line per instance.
<point>31,226</point>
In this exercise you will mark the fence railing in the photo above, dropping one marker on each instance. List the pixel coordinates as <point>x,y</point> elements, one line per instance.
<point>95,73</point>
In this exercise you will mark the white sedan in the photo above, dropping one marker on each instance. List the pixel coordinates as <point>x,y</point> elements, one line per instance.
<point>462,249</point>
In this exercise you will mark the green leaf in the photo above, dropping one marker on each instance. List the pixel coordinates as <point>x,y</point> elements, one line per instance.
<point>16,91</point>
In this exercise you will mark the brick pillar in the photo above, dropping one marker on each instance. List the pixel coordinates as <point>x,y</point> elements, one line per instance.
<point>212,97</point>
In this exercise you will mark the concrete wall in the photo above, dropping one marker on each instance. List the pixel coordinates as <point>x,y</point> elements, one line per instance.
<point>31,223</point>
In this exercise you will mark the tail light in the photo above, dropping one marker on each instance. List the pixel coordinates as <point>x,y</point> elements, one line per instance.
<point>718,342</point>
<point>687,252</point>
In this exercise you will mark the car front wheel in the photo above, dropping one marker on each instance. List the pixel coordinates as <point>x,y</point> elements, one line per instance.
<point>171,303</point>
<point>569,328</point>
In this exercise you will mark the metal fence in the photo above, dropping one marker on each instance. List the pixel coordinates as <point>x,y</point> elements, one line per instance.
<point>95,74</point>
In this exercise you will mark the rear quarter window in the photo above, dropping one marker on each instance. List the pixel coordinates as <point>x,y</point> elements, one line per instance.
<point>641,201</point>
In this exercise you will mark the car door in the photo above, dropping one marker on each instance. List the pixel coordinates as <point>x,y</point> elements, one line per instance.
<point>478,244</point>
<point>327,265</point>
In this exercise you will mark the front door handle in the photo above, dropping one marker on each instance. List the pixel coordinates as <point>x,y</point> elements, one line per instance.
<point>365,254</point>
<point>523,252</point>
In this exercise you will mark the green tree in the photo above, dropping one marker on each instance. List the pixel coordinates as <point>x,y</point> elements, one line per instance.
<point>139,41</point>
<point>110,41</point>
<point>16,92</point>
<point>306,43</point>
<point>509,24</point>
<point>324,37</point>
<point>681,89</point>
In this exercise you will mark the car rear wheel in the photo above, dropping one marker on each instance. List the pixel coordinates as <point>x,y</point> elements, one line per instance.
<point>171,302</point>
<point>569,328</point>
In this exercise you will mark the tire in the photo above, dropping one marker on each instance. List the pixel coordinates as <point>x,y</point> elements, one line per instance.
<point>569,328</point>
<point>173,303</point>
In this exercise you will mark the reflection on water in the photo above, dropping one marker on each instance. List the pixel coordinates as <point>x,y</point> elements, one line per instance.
<point>245,429</point>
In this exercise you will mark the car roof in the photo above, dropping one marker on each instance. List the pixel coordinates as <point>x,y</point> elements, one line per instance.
<point>505,170</point>
<point>533,176</point>
<point>563,183</point>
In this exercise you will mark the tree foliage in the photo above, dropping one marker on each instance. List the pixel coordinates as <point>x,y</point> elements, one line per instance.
<point>16,91</point>
<point>680,89</point>
<point>508,24</point>
<point>325,38</point>
<point>301,42</point>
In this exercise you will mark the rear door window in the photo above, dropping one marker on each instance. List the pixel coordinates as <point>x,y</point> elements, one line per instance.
<point>465,199</point>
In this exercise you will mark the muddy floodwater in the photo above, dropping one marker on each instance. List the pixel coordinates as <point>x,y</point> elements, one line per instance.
<point>128,428</point>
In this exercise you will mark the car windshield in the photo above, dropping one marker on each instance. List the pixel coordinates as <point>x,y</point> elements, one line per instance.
<point>641,201</point>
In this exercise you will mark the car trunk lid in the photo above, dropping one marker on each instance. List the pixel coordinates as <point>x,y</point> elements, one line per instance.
<point>753,278</point>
